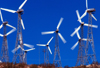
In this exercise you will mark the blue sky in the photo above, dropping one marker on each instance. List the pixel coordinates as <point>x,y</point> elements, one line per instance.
<point>44,15</point>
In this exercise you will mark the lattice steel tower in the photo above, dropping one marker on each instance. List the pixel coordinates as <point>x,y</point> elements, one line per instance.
<point>47,56</point>
<point>80,58</point>
<point>4,50</point>
<point>18,55</point>
<point>90,42</point>
<point>44,56</point>
<point>57,58</point>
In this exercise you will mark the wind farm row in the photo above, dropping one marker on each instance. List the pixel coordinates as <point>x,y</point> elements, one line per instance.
<point>20,53</point>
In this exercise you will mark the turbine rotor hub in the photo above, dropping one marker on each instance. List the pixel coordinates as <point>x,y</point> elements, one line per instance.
<point>91,10</point>
<point>20,11</point>
<point>57,31</point>
<point>4,23</point>
<point>25,51</point>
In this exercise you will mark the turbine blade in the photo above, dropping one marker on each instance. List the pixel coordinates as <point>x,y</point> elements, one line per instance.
<point>12,11</point>
<point>1,35</point>
<point>62,38</point>
<point>49,50</point>
<point>1,16</point>
<point>14,50</point>
<point>11,26</point>
<point>75,45</point>
<point>1,26</point>
<point>21,48</point>
<point>22,4</point>
<point>10,32</point>
<point>30,46</point>
<point>49,32</point>
<point>84,14</point>
<point>59,23</point>
<point>93,17</point>
<point>84,39</point>
<point>22,24</point>
<point>86,4</point>
<point>49,41</point>
<point>78,35</point>
<point>24,55</point>
<point>95,26</point>
<point>30,49</point>
<point>41,44</point>
<point>78,15</point>
<point>75,30</point>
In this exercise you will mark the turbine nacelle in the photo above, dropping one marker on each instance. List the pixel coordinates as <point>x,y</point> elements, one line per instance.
<point>25,51</point>
<point>47,45</point>
<point>19,11</point>
<point>82,23</point>
<point>6,22</point>
<point>79,40</point>
<point>57,31</point>
<point>91,10</point>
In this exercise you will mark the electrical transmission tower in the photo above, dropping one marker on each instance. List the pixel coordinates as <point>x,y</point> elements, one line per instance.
<point>18,55</point>
<point>4,50</point>
<point>90,42</point>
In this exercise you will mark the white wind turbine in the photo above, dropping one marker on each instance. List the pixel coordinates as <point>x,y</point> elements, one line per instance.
<point>72,48</point>
<point>57,30</point>
<point>6,23</point>
<point>19,11</point>
<point>25,52</point>
<point>82,24</point>
<point>88,10</point>
<point>27,45</point>
<point>47,45</point>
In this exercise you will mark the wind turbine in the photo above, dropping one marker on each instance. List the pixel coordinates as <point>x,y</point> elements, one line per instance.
<point>80,57</point>
<point>48,48</point>
<point>57,52</point>
<point>25,52</point>
<point>20,25</point>
<point>21,53</point>
<point>72,48</point>
<point>19,11</point>
<point>57,30</point>
<point>88,10</point>
<point>20,45</point>
<point>4,50</point>
<point>6,24</point>
<point>27,45</point>
<point>82,24</point>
